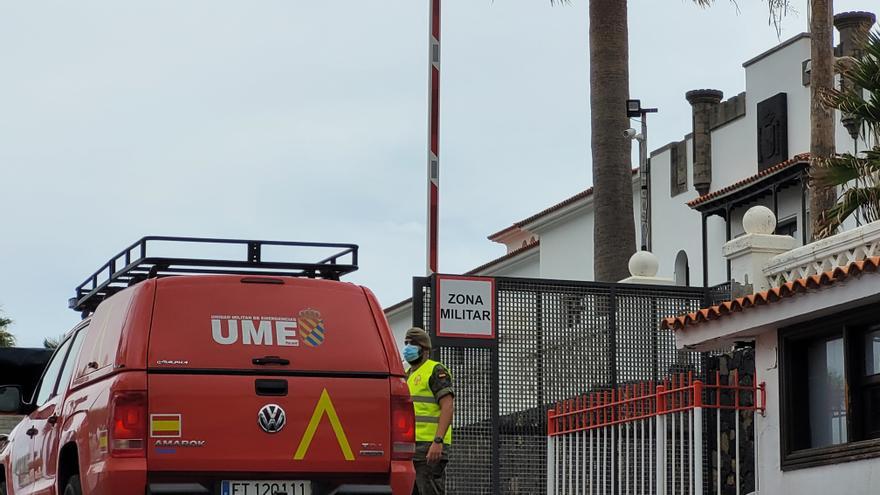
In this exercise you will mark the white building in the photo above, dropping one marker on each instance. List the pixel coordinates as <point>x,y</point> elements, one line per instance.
<point>749,149</point>
<point>814,320</point>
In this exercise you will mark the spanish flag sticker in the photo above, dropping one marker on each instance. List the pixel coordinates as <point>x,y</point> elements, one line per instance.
<point>165,425</point>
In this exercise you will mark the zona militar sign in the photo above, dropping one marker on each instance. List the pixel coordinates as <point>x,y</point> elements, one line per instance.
<point>465,307</point>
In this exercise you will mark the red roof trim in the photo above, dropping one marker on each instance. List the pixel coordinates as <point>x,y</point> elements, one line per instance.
<point>805,157</point>
<point>799,286</point>
<point>558,206</point>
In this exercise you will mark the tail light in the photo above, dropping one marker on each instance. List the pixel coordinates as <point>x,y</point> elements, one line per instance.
<point>403,422</point>
<point>128,424</point>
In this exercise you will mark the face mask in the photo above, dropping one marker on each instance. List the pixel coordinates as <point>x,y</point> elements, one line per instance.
<point>411,353</point>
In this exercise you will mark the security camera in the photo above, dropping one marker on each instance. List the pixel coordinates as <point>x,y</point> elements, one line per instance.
<point>632,134</point>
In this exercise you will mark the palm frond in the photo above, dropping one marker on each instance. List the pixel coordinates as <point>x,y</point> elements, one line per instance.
<point>860,97</point>
<point>840,170</point>
<point>6,338</point>
<point>865,200</point>
<point>858,176</point>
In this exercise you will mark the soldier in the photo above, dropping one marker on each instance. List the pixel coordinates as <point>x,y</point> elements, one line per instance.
<point>430,385</point>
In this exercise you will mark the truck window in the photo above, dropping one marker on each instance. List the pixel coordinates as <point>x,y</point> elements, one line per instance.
<point>101,343</point>
<point>47,385</point>
<point>70,362</point>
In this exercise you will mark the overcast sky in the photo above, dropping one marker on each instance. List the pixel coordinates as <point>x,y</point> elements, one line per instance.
<point>304,120</point>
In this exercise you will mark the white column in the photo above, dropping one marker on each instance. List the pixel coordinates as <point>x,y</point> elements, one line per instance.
<point>551,465</point>
<point>749,253</point>
<point>660,468</point>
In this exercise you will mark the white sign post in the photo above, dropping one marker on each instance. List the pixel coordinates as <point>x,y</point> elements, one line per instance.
<point>465,307</point>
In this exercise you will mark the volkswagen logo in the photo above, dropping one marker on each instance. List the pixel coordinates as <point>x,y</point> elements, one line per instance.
<point>271,418</point>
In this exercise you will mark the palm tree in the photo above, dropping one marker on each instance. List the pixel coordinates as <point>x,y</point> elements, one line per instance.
<point>6,337</point>
<point>822,125</point>
<point>858,175</point>
<point>613,227</point>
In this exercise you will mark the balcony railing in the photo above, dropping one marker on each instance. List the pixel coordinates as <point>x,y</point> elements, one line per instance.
<point>824,255</point>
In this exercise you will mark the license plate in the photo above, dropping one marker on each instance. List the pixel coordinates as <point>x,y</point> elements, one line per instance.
<point>265,487</point>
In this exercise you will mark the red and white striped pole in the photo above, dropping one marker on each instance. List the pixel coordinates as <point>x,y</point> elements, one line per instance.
<point>433,136</point>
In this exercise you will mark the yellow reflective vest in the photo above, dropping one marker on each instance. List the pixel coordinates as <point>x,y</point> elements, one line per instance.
<point>426,407</point>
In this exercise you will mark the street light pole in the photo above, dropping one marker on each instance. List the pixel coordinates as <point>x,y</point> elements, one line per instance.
<point>634,109</point>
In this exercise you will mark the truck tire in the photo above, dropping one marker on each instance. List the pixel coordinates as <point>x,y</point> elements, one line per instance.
<point>73,487</point>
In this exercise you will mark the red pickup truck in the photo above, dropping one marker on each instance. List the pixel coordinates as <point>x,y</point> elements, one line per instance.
<point>195,376</point>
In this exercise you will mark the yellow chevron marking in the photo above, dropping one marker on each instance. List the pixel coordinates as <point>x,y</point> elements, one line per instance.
<point>324,406</point>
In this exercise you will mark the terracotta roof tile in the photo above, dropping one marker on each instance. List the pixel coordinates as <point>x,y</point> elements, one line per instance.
<point>749,180</point>
<point>558,206</point>
<point>789,289</point>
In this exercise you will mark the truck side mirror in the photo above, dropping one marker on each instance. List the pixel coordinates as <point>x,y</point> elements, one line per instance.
<point>10,399</point>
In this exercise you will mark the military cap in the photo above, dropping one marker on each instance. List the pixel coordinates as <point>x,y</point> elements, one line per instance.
<point>419,337</point>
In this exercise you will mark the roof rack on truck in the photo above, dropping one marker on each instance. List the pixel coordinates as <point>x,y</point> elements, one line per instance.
<point>139,262</point>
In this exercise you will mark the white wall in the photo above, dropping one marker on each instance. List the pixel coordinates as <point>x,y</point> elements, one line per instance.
<point>675,226</point>
<point>567,242</point>
<point>528,267</point>
<point>735,149</point>
<point>400,322</point>
<point>780,72</point>
<point>851,478</point>
<point>567,248</point>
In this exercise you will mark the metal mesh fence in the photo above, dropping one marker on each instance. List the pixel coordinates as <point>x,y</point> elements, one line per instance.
<point>554,340</point>
<point>472,453</point>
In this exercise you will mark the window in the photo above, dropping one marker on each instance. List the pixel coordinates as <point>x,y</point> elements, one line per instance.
<point>678,169</point>
<point>868,378</point>
<point>70,362</point>
<point>46,389</point>
<point>682,269</point>
<point>826,393</point>
<point>821,361</point>
<point>787,227</point>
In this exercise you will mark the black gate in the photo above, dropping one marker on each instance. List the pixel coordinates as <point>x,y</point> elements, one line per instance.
<point>554,340</point>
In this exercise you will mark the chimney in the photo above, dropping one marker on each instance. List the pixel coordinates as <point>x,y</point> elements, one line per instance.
<point>750,252</point>
<point>853,28</point>
<point>704,103</point>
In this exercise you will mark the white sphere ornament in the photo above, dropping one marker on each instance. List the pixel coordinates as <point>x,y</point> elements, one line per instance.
<point>759,220</point>
<point>643,264</point>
